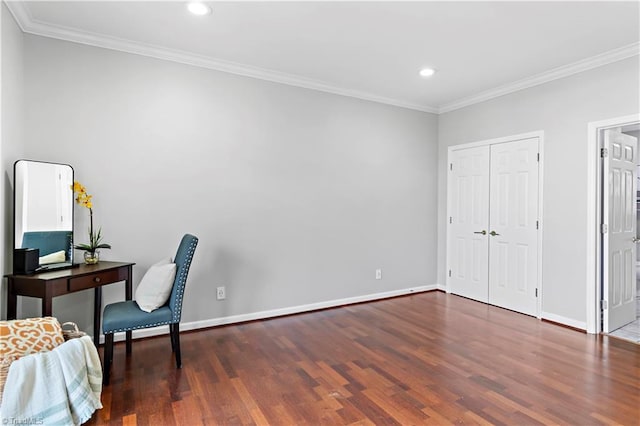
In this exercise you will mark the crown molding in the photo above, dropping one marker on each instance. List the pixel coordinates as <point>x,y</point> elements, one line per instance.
<point>32,26</point>
<point>29,25</point>
<point>19,11</point>
<point>547,76</point>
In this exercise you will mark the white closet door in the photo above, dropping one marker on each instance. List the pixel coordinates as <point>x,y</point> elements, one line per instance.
<point>469,218</point>
<point>513,240</point>
<point>620,215</point>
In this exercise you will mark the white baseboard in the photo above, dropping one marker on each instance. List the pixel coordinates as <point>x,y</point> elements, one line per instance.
<point>582,325</point>
<point>195,325</point>
<point>442,287</point>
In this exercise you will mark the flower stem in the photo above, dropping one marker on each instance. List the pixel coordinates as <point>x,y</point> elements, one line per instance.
<point>91,238</point>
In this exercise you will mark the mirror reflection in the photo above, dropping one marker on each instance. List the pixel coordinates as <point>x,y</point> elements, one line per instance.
<point>43,216</point>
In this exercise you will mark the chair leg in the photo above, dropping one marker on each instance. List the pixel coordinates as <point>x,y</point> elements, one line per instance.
<point>108,357</point>
<point>128,338</point>
<point>176,340</point>
<point>173,340</point>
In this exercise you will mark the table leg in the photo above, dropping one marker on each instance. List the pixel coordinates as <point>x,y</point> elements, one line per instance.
<point>47,306</point>
<point>128,290</point>
<point>97,312</point>
<point>12,301</point>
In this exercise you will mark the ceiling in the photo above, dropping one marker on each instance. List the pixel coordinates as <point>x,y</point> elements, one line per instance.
<point>369,50</point>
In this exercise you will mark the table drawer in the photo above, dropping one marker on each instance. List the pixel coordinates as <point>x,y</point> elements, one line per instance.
<point>95,280</point>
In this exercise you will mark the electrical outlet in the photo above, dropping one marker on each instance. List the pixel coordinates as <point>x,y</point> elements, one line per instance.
<point>378,274</point>
<point>221,293</point>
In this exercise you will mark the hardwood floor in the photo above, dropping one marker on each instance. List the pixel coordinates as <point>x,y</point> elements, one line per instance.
<point>428,358</point>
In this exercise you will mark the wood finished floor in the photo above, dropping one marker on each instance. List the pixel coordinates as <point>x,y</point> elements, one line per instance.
<point>429,358</point>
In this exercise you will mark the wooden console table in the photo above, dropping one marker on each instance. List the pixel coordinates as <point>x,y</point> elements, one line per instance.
<point>47,285</point>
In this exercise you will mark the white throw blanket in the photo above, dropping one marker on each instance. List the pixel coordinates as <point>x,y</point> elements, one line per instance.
<point>61,387</point>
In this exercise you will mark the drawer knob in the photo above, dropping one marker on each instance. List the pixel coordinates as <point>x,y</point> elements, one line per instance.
<point>96,279</point>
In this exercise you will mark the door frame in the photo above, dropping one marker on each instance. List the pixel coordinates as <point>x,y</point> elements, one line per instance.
<point>594,216</point>
<point>450,150</point>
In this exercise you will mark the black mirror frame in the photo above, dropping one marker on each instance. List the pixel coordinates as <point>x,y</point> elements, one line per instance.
<point>44,268</point>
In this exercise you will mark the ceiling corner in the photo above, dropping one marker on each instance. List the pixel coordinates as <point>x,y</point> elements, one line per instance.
<point>20,13</point>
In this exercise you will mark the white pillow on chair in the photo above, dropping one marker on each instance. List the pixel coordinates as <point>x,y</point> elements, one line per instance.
<point>155,287</point>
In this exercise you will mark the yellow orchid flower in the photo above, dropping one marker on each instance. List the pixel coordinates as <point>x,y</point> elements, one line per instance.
<point>77,187</point>
<point>95,238</point>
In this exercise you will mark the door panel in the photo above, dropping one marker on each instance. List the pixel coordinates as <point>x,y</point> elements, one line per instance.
<point>619,212</point>
<point>513,250</point>
<point>469,214</point>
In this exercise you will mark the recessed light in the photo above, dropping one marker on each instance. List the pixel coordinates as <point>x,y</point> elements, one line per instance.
<point>198,8</point>
<point>427,72</point>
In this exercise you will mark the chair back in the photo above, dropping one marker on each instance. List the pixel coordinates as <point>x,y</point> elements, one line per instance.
<point>183,258</point>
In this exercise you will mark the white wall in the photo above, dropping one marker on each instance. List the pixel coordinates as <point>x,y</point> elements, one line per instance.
<point>11,135</point>
<point>297,196</point>
<point>561,109</point>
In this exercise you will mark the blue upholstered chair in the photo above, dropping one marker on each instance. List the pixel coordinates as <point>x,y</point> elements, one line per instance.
<point>127,316</point>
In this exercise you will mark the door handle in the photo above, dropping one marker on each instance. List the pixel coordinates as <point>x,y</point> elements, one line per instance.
<point>636,240</point>
<point>483,232</point>
<point>493,233</point>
